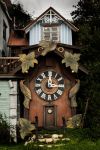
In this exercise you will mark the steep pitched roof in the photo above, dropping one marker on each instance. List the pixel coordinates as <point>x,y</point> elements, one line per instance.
<point>17,38</point>
<point>28,27</point>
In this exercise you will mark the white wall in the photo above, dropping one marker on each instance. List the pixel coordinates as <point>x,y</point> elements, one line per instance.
<point>8,104</point>
<point>35,34</point>
<point>3,45</point>
<point>13,108</point>
<point>65,34</point>
<point>4,98</point>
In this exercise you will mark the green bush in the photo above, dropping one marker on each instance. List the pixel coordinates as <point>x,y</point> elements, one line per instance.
<point>94,133</point>
<point>4,130</point>
<point>32,146</point>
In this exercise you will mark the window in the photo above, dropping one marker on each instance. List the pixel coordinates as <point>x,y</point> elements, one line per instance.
<point>4,30</point>
<point>50,33</point>
<point>51,17</point>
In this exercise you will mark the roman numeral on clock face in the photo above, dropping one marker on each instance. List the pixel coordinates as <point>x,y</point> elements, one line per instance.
<point>60,79</point>
<point>43,96</point>
<point>55,96</point>
<point>50,73</point>
<point>39,79</point>
<point>43,75</point>
<point>56,75</point>
<point>49,97</point>
<point>37,85</point>
<point>59,92</point>
<point>39,91</point>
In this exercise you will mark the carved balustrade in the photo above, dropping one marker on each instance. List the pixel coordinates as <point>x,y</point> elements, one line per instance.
<point>8,64</point>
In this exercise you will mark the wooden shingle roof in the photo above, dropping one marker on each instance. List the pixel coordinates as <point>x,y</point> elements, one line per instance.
<point>17,38</point>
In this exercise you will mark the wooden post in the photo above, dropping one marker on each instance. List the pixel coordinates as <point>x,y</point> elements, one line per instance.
<point>36,126</point>
<point>84,115</point>
<point>64,123</point>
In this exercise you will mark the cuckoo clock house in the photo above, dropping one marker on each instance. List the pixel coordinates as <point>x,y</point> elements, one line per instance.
<point>36,80</point>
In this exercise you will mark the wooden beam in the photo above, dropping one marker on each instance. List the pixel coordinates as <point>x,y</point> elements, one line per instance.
<point>16,69</point>
<point>7,58</point>
<point>82,68</point>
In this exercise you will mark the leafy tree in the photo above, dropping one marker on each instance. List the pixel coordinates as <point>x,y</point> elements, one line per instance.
<point>87,17</point>
<point>87,11</point>
<point>19,15</point>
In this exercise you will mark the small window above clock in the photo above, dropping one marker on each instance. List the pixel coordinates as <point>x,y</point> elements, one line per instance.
<point>50,33</point>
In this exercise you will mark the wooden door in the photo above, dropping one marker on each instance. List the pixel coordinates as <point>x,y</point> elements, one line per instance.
<point>49,117</point>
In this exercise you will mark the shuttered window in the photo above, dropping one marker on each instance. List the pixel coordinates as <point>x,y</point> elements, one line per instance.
<point>50,33</point>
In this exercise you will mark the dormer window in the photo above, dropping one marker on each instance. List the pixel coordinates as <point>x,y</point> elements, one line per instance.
<point>51,33</point>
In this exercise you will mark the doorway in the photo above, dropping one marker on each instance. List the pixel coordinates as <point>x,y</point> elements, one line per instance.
<point>49,116</point>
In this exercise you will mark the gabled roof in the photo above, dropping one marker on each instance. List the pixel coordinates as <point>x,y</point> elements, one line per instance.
<point>17,38</point>
<point>29,26</point>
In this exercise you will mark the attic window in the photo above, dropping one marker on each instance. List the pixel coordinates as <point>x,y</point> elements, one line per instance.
<point>51,33</point>
<point>50,17</point>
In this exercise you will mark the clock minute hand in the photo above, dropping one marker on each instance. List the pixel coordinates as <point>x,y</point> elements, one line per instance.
<point>55,85</point>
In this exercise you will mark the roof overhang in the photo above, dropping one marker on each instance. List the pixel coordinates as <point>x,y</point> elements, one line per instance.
<point>67,22</point>
<point>60,50</point>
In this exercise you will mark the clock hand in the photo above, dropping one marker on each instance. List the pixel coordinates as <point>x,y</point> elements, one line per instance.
<point>55,85</point>
<point>50,78</point>
<point>49,81</point>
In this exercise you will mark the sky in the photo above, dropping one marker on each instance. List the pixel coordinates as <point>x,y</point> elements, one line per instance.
<point>37,7</point>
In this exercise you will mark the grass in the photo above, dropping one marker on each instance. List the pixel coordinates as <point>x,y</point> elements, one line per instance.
<point>12,147</point>
<point>79,140</point>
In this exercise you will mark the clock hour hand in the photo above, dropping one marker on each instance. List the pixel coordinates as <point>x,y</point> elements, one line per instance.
<point>49,81</point>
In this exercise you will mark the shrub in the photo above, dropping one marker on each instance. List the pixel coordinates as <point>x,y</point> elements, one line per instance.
<point>4,130</point>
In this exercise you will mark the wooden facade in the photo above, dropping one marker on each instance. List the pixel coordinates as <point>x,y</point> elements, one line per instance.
<point>61,106</point>
<point>49,81</point>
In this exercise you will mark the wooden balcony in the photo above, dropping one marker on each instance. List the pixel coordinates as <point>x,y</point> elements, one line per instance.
<point>9,65</point>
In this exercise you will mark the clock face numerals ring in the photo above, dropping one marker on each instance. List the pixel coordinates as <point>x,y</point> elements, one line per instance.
<point>49,85</point>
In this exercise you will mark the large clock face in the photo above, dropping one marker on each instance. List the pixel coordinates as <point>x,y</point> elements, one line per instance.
<point>49,85</point>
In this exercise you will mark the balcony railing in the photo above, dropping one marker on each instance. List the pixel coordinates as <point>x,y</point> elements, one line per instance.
<point>8,64</point>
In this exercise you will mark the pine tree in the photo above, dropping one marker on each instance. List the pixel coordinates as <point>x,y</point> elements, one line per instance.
<point>87,17</point>
<point>19,15</point>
